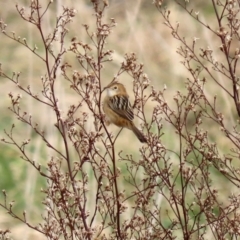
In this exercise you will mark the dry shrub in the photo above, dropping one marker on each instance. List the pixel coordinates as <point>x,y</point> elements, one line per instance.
<point>94,190</point>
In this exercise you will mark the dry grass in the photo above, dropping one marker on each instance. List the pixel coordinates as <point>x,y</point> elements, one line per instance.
<point>141,30</point>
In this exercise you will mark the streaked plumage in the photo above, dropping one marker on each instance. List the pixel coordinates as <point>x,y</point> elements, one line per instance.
<point>118,109</point>
<point>121,105</point>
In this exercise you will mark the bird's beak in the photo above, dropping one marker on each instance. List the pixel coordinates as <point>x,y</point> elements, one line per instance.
<point>104,89</point>
<point>109,85</point>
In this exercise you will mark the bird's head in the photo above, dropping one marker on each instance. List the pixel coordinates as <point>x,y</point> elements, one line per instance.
<point>115,88</point>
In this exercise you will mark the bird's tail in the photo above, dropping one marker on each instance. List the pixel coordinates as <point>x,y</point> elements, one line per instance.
<point>139,135</point>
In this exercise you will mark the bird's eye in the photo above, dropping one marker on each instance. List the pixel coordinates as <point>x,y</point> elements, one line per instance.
<point>115,87</point>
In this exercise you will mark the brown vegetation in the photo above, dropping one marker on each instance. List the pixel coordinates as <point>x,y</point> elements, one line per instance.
<point>101,183</point>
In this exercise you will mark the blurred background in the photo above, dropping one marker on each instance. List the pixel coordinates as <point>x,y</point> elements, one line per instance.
<point>140,29</point>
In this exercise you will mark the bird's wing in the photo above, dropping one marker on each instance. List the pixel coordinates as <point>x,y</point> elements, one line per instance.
<point>120,104</point>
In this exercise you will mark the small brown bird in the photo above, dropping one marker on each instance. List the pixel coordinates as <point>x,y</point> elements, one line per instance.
<point>118,109</point>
